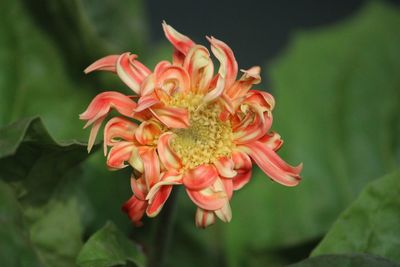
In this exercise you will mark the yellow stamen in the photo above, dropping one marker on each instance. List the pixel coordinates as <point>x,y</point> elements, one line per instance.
<point>208,138</point>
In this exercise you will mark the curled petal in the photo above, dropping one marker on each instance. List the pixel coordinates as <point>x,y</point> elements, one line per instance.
<point>131,71</point>
<point>272,140</point>
<point>240,88</point>
<point>151,165</point>
<point>228,186</point>
<point>204,218</point>
<point>147,132</point>
<point>260,100</point>
<point>135,209</point>
<point>116,129</point>
<point>180,42</point>
<point>225,167</point>
<point>107,63</point>
<point>224,213</point>
<point>138,187</point>
<point>119,154</point>
<point>172,117</point>
<point>146,102</point>
<point>167,179</point>
<point>200,177</point>
<point>136,161</point>
<point>168,157</point>
<point>272,164</point>
<point>93,133</point>
<point>200,68</point>
<point>215,92</point>
<point>228,68</point>
<point>173,79</point>
<point>211,198</point>
<point>148,85</point>
<point>252,129</point>
<point>242,166</point>
<point>158,201</point>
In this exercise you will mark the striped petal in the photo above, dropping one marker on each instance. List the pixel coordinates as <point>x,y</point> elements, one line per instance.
<point>172,117</point>
<point>204,218</point>
<point>200,177</point>
<point>173,79</point>
<point>151,165</point>
<point>200,68</point>
<point>224,213</point>
<point>272,164</point>
<point>158,201</point>
<point>147,132</point>
<point>136,161</point>
<point>135,209</point>
<point>243,85</point>
<point>146,102</point>
<point>228,66</point>
<point>272,140</point>
<point>116,129</point>
<point>210,198</point>
<point>167,179</point>
<point>119,154</point>
<point>131,71</point>
<point>138,187</point>
<point>168,157</point>
<point>93,133</point>
<point>252,128</point>
<point>216,91</point>
<point>181,43</point>
<point>243,167</point>
<point>225,167</point>
<point>107,63</point>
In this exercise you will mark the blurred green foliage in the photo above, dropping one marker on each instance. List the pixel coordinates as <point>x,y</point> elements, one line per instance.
<point>338,103</point>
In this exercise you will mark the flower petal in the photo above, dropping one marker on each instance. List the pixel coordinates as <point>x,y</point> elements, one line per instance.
<point>204,218</point>
<point>172,117</point>
<point>252,128</point>
<point>200,177</point>
<point>138,187</point>
<point>167,178</point>
<point>168,157</point>
<point>241,87</point>
<point>116,129</point>
<point>131,71</point>
<point>146,102</point>
<point>215,92</point>
<point>200,68</point>
<point>136,161</point>
<point>135,209</point>
<point>158,201</point>
<point>225,167</point>
<point>180,42</point>
<point>94,131</point>
<point>119,154</point>
<point>243,167</point>
<point>107,63</point>
<point>151,165</point>
<point>272,164</point>
<point>228,68</point>
<point>272,140</point>
<point>224,213</point>
<point>210,198</point>
<point>147,132</point>
<point>173,79</point>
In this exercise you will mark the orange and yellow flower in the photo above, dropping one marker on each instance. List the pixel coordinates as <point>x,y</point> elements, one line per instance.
<point>189,126</point>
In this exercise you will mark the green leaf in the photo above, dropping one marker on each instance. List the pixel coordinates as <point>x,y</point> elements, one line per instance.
<point>109,247</point>
<point>30,157</point>
<point>337,92</point>
<point>15,245</point>
<point>35,80</point>
<point>347,260</point>
<point>370,224</point>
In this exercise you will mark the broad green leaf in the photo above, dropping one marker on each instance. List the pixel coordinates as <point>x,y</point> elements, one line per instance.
<point>337,92</point>
<point>31,158</point>
<point>370,224</point>
<point>15,245</point>
<point>346,260</point>
<point>109,247</point>
<point>33,79</point>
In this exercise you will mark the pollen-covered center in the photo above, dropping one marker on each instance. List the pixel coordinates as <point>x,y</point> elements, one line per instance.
<point>207,138</point>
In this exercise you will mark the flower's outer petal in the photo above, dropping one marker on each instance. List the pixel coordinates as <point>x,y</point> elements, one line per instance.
<point>135,209</point>
<point>224,213</point>
<point>215,92</point>
<point>173,79</point>
<point>168,178</point>
<point>260,102</point>
<point>107,63</point>
<point>249,132</point>
<point>172,117</point>
<point>151,165</point>
<point>200,68</point>
<point>204,218</point>
<point>147,132</point>
<point>138,186</point>
<point>200,177</point>
<point>228,186</point>
<point>168,157</point>
<point>243,167</point>
<point>131,71</point>
<point>225,167</point>
<point>117,129</point>
<point>158,201</point>
<point>210,198</point>
<point>148,85</point>
<point>136,161</point>
<point>146,102</point>
<point>94,131</point>
<point>181,43</point>
<point>272,140</point>
<point>119,154</point>
<point>242,86</point>
<point>272,164</point>
<point>102,104</point>
<point>228,68</point>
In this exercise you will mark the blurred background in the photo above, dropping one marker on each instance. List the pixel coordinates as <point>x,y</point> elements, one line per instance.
<point>333,67</point>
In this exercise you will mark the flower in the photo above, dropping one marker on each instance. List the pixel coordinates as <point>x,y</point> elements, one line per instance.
<point>187,125</point>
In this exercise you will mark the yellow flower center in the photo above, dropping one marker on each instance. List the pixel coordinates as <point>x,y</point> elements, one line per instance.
<point>207,139</point>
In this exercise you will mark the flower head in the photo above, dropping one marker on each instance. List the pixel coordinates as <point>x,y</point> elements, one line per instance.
<point>190,126</point>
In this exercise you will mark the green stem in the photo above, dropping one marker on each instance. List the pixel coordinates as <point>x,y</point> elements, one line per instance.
<point>159,249</point>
